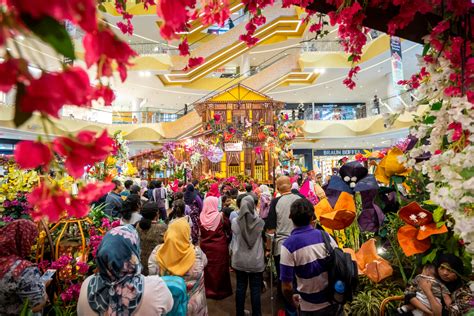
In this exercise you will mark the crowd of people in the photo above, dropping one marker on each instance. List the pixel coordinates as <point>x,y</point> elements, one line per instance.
<point>202,238</point>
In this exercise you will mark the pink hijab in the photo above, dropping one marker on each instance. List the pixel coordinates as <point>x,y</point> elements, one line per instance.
<point>210,216</point>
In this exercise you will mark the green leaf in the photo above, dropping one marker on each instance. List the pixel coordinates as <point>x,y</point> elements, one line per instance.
<point>398,179</point>
<point>351,58</point>
<point>430,257</point>
<point>467,173</point>
<point>425,49</point>
<point>440,224</point>
<point>438,214</point>
<point>20,117</point>
<point>52,32</point>
<point>437,106</point>
<point>102,8</point>
<point>429,120</point>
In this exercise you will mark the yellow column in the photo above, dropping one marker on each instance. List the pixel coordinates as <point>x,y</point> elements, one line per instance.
<point>229,115</point>
<point>250,115</point>
<point>224,164</point>
<point>266,166</point>
<point>242,162</point>
<point>212,115</point>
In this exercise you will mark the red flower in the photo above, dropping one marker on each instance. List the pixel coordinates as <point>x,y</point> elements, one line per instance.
<point>215,12</point>
<point>82,12</point>
<point>105,93</point>
<point>194,62</point>
<point>457,131</point>
<point>70,87</point>
<point>470,96</point>
<point>184,48</point>
<point>47,202</point>
<point>217,117</point>
<point>175,15</point>
<point>315,27</point>
<point>11,71</point>
<point>125,28</point>
<point>259,20</point>
<point>29,154</point>
<point>248,39</point>
<point>93,191</point>
<point>85,150</point>
<point>103,47</point>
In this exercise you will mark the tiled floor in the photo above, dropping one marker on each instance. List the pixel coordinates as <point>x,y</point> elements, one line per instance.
<point>226,307</point>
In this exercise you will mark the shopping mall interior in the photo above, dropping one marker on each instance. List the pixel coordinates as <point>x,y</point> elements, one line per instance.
<point>365,109</point>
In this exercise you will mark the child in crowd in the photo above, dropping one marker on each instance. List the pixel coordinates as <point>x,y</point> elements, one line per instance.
<point>420,304</point>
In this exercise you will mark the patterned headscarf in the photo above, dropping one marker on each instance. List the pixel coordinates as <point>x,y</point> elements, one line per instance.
<point>16,240</point>
<point>118,287</point>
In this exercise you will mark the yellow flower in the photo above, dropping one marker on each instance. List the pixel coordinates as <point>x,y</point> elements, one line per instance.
<point>110,161</point>
<point>390,166</point>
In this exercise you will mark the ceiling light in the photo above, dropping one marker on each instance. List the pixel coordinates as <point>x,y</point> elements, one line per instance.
<point>319,70</point>
<point>156,49</point>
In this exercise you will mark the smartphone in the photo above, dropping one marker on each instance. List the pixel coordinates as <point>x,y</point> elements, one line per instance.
<point>48,275</point>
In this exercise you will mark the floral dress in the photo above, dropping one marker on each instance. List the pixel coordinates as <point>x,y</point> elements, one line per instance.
<point>194,278</point>
<point>14,290</point>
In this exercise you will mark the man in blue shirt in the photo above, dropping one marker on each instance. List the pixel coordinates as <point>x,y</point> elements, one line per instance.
<point>113,202</point>
<point>303,259</point>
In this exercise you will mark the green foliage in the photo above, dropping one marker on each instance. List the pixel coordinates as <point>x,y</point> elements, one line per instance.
<point>370,295</point>
<point>26,310</point>
<point>53,33</point>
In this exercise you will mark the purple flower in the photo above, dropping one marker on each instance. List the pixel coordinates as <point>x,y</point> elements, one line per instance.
<point>83,267</point>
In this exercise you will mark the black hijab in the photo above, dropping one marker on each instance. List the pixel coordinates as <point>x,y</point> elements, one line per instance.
<point>457,266</point>
<point>189,195</point>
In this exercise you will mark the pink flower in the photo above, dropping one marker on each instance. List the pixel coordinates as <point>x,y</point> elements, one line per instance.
<point>125,28</point>
<point>71,293</point>
<point>13,70</point>
<point>103,47</point>
<point>217,117</point>
<point>104,92</point>
<point>248,39</point>
<point>194,62</point>
<point>93,191</point>
<point>48,203</point>
<point>82,12</point>
<point>106,223</point>
<point>184,48</point>
<point>86,149</point>
<point>215,12</point>
<point>83,267</point>
<point>115,223</point>
<point>175,15</point>
<point>62,262</point>
<point>70,87</point>
<point>315,27</point>
<point>30,154</point>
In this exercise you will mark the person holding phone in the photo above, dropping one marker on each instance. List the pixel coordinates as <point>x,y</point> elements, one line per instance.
<point>20,280</point>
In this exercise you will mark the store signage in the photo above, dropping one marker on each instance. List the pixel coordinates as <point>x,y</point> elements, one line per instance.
<point>233,146</point>
<point>337,152</point>
<point>397,65</point>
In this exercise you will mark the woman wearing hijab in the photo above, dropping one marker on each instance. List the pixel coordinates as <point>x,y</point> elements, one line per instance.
<point>265,199</point>
<point>178,256</point>
<point>192,199</point>
<point>151,232</point>
<point>213,190</point>
<point>248,256</point>
<point>119,287</point>
<point>19,278</point>
<point>450,270</point>
<point>215,232</point>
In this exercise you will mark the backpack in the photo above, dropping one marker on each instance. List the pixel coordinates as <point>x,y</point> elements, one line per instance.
<point>341,267</point>
<point>177,287</point>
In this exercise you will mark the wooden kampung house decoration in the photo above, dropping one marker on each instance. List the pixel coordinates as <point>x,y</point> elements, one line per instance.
<point>242,109</point>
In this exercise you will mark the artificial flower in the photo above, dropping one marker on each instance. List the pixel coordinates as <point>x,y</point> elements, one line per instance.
<point>371,264</point>
<point>32,154</point>
<point>390,166</point>
<point>48,202</point>
<point>413,237</point>
<point>175,15</point>
<point>194,62</point>
<point>13,70</point>
<point>339,216</point>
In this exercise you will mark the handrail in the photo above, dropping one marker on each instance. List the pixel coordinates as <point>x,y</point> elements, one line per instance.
<point>220,28</point>
<point>281,55</point>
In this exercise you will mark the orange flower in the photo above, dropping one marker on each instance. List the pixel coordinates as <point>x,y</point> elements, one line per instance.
<point>413,237</point>
<point>390,166</point>
<point>339,217</point>
<point>371,264</point>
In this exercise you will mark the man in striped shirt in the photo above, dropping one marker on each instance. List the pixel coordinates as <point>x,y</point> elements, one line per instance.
<point>304,257</point>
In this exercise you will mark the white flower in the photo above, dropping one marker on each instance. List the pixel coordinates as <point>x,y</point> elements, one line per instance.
<point>422,215</point>
<point>352,185</point>
<point>423,228</point>
<point>347,179</point>
<point>354,179</point>
<point>413,218</point>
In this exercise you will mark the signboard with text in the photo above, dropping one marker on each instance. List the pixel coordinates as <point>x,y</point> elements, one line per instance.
<point>233,146</point>
<point>337,152</point>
